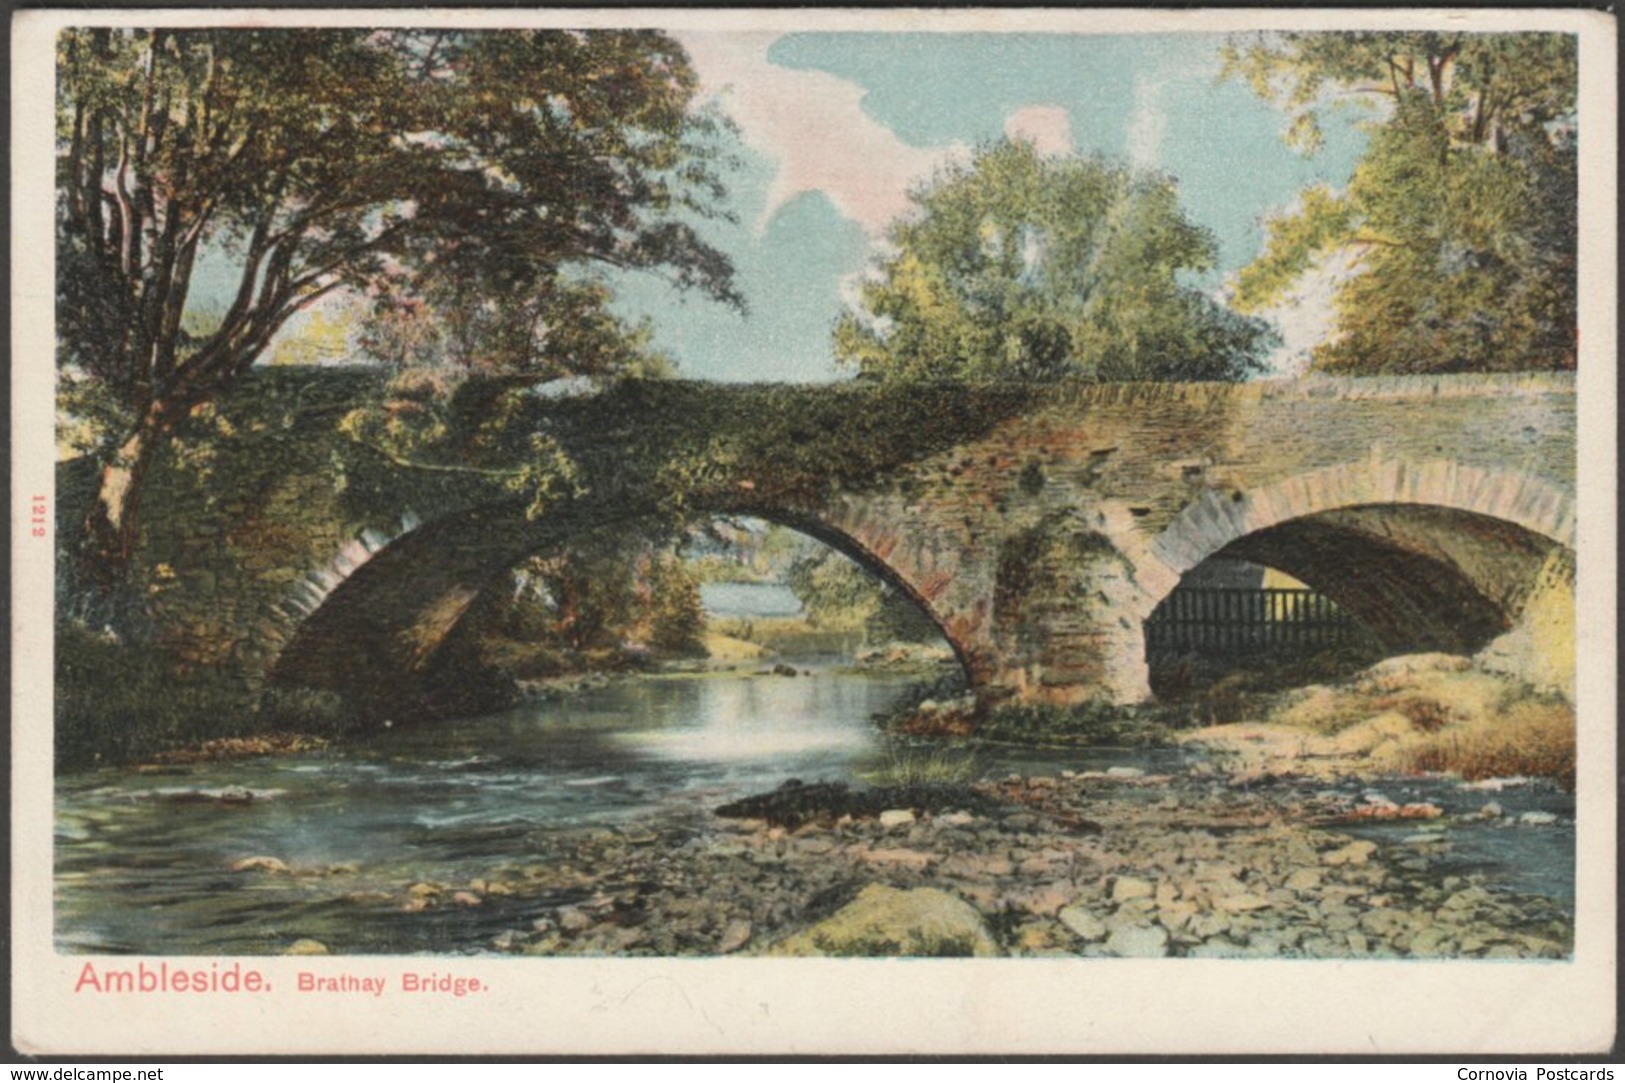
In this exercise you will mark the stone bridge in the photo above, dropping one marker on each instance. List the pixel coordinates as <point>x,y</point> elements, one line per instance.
<point>1037,530</point>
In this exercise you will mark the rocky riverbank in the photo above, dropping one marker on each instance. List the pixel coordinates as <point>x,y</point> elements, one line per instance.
<point>1116,863</point>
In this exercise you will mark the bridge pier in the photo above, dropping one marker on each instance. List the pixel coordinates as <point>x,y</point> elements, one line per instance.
<point>1068,619</point>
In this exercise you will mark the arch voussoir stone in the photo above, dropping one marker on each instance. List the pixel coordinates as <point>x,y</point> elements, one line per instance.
<point>1219,518</point>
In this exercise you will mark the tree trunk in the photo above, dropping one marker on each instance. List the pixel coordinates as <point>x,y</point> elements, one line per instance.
<point>111,527</point>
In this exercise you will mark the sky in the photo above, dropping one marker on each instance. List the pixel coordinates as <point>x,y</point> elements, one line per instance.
<point>834,129</point>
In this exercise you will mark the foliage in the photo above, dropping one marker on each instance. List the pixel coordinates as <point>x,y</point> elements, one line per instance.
<point>937,765</point>
<point>673,611</point>
<point>606,594</point>
<point>450,167</point>
<point>838,594</point>
<point>116,703</point>
<point>743,551</point>
<point>324,339</point>
<point>1461,217</point>
<point>568,330</point>
<point>1024,267</point>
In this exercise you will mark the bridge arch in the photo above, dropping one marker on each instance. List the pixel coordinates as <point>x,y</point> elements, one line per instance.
<point>1429,556</point>
<point>372,625</point>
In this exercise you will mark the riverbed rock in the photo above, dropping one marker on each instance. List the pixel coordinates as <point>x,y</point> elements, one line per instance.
<point>885,920</point>
<point>896,817</point>
<point>914,860</point>
<point>1138,941</point>
<point>1132,887</point>
<point>1357,852</point>
<point>306,946</point>
<point>259,863</point>
<point>573,919</point>
<point>1242,901</point>
<point>1085,925</point>
<point>1303,880</point>
<point>734,936</point>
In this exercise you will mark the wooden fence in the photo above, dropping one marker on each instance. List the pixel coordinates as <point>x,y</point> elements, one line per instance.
<point>1232,621</point>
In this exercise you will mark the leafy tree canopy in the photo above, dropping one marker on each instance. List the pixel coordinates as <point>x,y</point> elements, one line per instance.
<point>1018,266</point>
<point>440,168</point>
<point>1461,217</point>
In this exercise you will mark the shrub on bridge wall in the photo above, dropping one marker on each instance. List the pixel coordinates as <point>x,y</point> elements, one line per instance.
<point>117,702</point>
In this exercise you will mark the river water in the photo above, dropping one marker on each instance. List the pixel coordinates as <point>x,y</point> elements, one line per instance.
<point>145,858</point>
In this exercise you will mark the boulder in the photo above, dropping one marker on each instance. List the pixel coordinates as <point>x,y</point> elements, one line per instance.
<point>1085,925</point>
<point>887,921</point>
<point>1138,941</point>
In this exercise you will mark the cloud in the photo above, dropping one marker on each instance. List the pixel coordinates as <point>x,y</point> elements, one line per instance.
<point>812,125</point>
<point>1147,124</point>
<point>1306,317</point>
<point>1047,127</point>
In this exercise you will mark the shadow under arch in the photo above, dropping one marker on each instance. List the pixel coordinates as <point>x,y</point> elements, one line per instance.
<point>1418,576</point>
<point>375,636</point>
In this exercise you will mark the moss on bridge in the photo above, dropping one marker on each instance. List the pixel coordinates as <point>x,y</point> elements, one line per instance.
<point>271,501</point>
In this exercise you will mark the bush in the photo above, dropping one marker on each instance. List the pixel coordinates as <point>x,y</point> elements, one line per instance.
<point>925,767</point>
<point>1096,722</point>
<point>118,702</point>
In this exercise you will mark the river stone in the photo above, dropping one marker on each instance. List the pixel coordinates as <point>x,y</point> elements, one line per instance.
<point>259,863</point>
<point>977,866</point>
<point>1236,904</point>
<point>1303,880</point>
<point>1431,942</point>
<point>1209,924</point>
<point>1138,941</point>
<point>1340,920</point>
<point>896,817</point>
<point>1176,914</point>
<point>573,919</point>
<point>884,920</point>
<point>306,946</point>
<point>1467,899</point>
<point>735,936</point>
<point>1131,887</point>
<point>1538,819</point>
<point>1357,852</point>
<point>1083,923</point>
<point>914,860</point>
<point>1044,899</point>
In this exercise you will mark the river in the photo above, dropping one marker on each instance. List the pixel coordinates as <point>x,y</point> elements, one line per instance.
<point>150,860</point>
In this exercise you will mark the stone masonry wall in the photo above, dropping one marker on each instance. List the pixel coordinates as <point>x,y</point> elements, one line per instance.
<point>1039,543</point>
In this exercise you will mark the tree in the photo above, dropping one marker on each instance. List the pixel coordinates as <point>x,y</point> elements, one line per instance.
<point>838,594</point>
<point>1461,216</point>
<point>1017,266</point>
<point>567,331</point>
<point>455,166</point>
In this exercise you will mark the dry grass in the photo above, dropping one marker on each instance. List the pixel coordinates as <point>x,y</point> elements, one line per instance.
<point>1420,713</point>
<point>1534,737</point>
